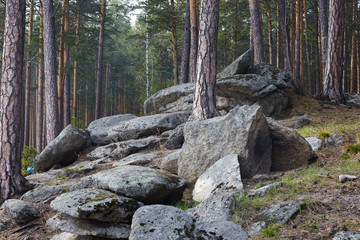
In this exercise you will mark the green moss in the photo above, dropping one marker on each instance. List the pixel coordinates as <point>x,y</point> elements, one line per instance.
<point>352,148</point>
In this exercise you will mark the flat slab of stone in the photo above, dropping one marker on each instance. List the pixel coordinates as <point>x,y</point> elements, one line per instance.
<point>96,204</point>
<point>146,126</point>
<point>88,228</point>
<point>122,149</point>
<point>224,175</point>
<point>316,144</point>
<point>260,192</point>
<point>347,235</point>
<point>70,236</point>
<point>99,128</point>
<point>239,66</point>
<point>243,131</point>
<point>21,211</point>
<point>141,183</point>
<point>44,193</point>
<point>139,159</point>
<point>161,222</point>
<point>170,162</point>
<point>224,230</point>
<point>64,149</point>
<point>346,177</point>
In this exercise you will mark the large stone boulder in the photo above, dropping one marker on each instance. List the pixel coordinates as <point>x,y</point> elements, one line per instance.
<point>99,128</point>
<point>239,66</point>
<point>96,204</point>
<point>161,222</point>
<point>219,230</point>
<point>224,175</point>
<point>290,150</point>
<point>141,183</point>
<point>139,159</point>
<point>86,227</point>
<point>176,138</point>
<point>147,126</point>
<point>122,149</point>
<point>170,162</point>
<point>4,223</point>
<point>64,149</point>
<point>262,86</point>
<point>44,193</point>
<point>21,211</point>
<point>243,131</point>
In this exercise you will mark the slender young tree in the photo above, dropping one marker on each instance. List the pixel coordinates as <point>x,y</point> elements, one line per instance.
<point>100,61</point>
<point>353,86</point>
<point>333,67</point>
<point>284,34</point>
<point>323,7</point>
<point>76,66</point>
<point>11,140</point>
<point>40,90</point>
<point>184,74</point>
<point>194,39</point>
<point>205,97</point>
<point>52,120</point>
<point>66,97</point>
<point>297,77</point>
<point>174,42</point>
<point>268,13</point>
<point>257,38</point>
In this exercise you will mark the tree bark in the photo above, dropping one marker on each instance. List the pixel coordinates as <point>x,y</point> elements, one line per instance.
<point>297,77</point>
<point>205,97</point>
<point>40,90</point>
<point>257,37</point>
<point>278,42</point>
<point>284,34</point>
<point>353,86</point>
<point>100,61</point>
<point>11,136</point>
<point>323,7</point>
<point>292,35</point>
<point>60,76</point>
<point>66,111</point>
<point>270,37</point>
<point>317,41</point>
<point>52,120</point>
<point>308,74</point>
<point>334,68</point>
<point>174,42</point>
<point>75,95</point>
<point>194,39</point>
<point>184,74</point>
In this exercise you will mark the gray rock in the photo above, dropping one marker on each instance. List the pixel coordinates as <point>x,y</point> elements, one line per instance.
<point>316,144</point>
<point>85,227</point>
<point>218,207</point>
<point>269,71</point>
<point>99,128</point>
<point>289,149</point>
<point>347,235</point>
<point>329,106</point>
<point>223,175</point>
<point>141,183</point>
<point>280,213</point>
<point>256,228</point>
<point>219,230</point>
<point>70,236</point>
<point>44,193</point>
<point>157,222</point>
<point>299,123</point>
<point>335,139</point>
<point>4,223</point>
<point>170,162</point>
<point>21,211</point>
<point>352,99</point>
<point>209,140</point>
<point>345,178</point>
<point>239,66</point>
<point>63,149</point>
<point>122,149</point>
<point>96,204</point>
<point>147,126</point>
<point>139,159</point>
<point>176,138</point>
<point>260,192</point>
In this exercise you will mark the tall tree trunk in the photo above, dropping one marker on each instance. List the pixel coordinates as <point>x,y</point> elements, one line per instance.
<point>297,77</point>
<point>11,136</point>
<point>311,85</point>
<point>204,98</point>
<point>40,90</point>
<point>235,39</point>
<point>28,78</point>
<point>358,63</point>
<point>353,86</point>
<point>147,61</point>
<point>184,74</point>
<point>52,120</point>
<point>323,7</point>
<point>345,63</point>
<point>270,37</point>
<point>100,61</point>
<point>67,106</point>
<point>284,34</point>
<point>293,35</point>
<point>60,77</point>
<point>194,39</point>
<point>174,42</point>
<point>302,48</point>
<point>257,37</point>
<point>107,89</point>
<point>334,68</point>
<point>278,43</point>
<point>75,94</point>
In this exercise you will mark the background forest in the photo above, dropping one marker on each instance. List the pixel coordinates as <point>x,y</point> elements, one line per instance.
<point>143,56</point>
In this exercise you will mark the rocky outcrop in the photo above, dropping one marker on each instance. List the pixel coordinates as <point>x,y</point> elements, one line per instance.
<point>143,184</point>
<point>64,149</point>
<point>289,149</point>
<point>139,159</point>
<point>224,175</point>
<point>147,126</point>
<point>170,162</point>
<point>316,144</point>
<point>261,85</point>
<point>99,128</point>
<point>176,138</point>
<point>239,66</point>
<point>347,235</point>
<point>122,149</point>
<point>219,230</point>
<point>96,204</point>
<point>243,131</point>
<point>21,211</point>
<point>44,193</point>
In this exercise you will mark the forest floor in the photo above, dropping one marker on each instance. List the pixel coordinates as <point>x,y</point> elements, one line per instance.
<point>331,206</point>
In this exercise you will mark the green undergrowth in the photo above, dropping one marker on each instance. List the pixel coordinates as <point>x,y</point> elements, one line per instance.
<point>325,130</point>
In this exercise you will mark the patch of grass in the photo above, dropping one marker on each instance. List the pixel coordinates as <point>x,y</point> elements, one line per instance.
<point>350,167</point>
<point>345,157</point>
<point>352,148</point>
<point>324,135</point>
<point>338,126</point>
<point>270,231</point>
